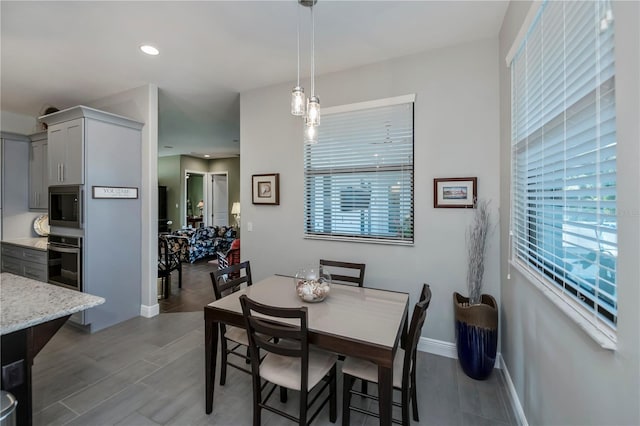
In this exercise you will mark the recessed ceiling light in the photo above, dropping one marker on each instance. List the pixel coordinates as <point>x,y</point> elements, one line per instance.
<point>207,156</point>
<point>149,50</point>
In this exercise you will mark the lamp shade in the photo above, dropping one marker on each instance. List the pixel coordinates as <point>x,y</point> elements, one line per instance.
<point>235,208</point>
<point>200,204</point>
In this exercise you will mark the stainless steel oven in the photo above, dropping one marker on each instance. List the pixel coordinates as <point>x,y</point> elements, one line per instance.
<point>65,261</point>
<point>65,206</point>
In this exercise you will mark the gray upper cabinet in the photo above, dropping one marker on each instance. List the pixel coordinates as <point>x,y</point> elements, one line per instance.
<point>66,153</point>
<point>38,175</point>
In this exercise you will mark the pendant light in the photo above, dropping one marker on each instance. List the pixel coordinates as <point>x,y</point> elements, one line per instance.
<point>300,105</point>
<point>310,134</point>
<point>313,104</point>
<point>298,99</point>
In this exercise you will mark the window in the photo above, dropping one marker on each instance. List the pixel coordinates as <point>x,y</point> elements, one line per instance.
<point>359,176</point>
<point>564,222</point>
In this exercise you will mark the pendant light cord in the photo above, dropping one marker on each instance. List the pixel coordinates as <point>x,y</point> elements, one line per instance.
<point>313,54</point>
<point>298,36</point>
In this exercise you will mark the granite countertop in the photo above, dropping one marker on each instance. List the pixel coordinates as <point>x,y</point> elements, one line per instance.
<point>26,302</point>
<point>37,243</point>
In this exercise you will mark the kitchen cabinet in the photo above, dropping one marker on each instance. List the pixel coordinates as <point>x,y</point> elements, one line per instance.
<point>23,261</point>
<point>66,153</point>
<point>17,220</point>
<point>38,176</point>
<point>92,148</point>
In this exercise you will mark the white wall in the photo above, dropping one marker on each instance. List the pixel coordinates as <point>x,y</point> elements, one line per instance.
<point>560,374</point>
<point>456,134</point>
<point>18,123</point>
<point>142,104</point>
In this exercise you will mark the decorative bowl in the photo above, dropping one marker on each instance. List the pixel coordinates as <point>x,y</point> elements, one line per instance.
<point>312,284</point>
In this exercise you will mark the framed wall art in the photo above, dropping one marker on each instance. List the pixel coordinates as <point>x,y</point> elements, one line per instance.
<point>265,189</point>
<point>455,192</point>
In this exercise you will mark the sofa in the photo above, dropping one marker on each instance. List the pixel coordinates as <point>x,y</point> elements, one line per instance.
<point>198,243</point>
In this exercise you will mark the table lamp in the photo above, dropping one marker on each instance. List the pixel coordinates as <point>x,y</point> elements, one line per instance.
<point>200,205</point>
<point>235,210</point>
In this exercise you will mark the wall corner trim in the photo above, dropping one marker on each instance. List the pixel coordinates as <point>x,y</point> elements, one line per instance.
<point>448,350</point>
<point>149,311</point>
<point>513,395</point>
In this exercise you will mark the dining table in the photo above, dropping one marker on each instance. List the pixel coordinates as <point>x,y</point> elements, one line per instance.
<point>361,322</point>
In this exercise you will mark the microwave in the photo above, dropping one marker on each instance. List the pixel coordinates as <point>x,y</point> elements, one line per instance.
<point>65,206</point>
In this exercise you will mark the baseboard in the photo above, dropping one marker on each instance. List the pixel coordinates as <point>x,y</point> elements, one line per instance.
<point>438,347</point>
<point>149,311</point>
<point>513,395</point>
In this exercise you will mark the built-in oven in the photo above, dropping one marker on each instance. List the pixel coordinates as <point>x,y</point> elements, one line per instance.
<point>65,206</point>
<point>65,261</point>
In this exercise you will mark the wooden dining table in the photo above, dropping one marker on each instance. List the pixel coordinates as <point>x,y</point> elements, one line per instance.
<point>354,321</point>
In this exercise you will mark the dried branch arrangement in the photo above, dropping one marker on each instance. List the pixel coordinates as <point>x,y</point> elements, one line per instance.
<point>476,242</point>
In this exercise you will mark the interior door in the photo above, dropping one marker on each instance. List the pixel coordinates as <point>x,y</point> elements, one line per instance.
<point>220,200</point>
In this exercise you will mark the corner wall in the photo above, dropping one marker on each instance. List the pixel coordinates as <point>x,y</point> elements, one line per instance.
<point>142,104</point>
<point>562,377</point>
<point>456,135</point>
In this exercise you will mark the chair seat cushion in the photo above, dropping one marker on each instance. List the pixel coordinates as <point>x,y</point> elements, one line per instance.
<point>368,371</point>
<point>238,335</point>
<point>285,371</point>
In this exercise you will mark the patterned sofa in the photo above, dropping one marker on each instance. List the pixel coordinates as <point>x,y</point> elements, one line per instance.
<point>198,243</point>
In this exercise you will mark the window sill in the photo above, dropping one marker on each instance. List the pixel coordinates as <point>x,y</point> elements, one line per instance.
<point>600,337</point>
<point>357,240</point>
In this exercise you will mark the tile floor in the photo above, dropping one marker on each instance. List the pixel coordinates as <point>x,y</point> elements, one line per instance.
<point>151,372</point>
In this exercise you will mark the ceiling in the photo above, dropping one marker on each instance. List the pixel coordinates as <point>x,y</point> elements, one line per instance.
<point>69,53</point>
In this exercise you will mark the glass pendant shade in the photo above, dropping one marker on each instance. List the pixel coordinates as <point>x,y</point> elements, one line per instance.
<point>313,111</point>
<point>298,101</point>
<point>310,134</point>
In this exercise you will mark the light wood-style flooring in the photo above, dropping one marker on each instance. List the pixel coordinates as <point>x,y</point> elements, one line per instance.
<point>150,371</point>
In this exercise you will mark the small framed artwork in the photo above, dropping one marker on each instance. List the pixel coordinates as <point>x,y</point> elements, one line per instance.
<point>455,192</point>
<point>265,189</point>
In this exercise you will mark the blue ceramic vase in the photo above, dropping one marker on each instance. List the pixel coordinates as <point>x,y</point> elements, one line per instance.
<point>476,335</point>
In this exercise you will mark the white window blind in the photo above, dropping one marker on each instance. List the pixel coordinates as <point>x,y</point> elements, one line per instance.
<point>564,222</point>
<point>359,176</point>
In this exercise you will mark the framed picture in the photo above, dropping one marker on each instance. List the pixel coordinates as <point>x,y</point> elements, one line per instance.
<point>265,189</point>
<point>114,192</point>
<point>455,192</point>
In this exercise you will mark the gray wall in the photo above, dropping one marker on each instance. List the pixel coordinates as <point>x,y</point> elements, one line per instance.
<point>560,374</point>
<point>456,134</point>
<point>141,104</point>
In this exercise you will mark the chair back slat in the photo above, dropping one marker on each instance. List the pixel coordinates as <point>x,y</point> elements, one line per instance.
<point>415,329</point>
<point>223,284</point>
<point>351,279</point>
<point>292,339</point>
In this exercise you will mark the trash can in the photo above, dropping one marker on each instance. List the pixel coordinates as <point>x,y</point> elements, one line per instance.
<point>8,404</point>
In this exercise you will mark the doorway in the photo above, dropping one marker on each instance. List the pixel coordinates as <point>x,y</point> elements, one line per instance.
<point>194,198</point>
<point>219,206</point>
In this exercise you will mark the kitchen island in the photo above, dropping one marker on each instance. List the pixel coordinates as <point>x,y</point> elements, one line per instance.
<point>31,312</point>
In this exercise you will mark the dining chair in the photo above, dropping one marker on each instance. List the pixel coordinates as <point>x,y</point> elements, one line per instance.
<point>233,340</point>
<point>168,261</point>
<point>337,275</point>
<point>404,369</point>
<point>289,363</point>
